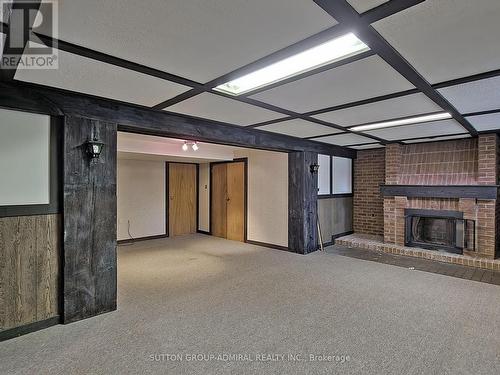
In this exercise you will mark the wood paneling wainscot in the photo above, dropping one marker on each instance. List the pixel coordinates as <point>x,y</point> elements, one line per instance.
<point>30,249</point>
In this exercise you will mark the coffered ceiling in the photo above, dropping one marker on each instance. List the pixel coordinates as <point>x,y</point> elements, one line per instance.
<point>422,57</point>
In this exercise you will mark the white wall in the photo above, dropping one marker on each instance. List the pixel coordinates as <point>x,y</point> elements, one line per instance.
<point>204,197</point>
<point>141,198</point>
<point>267,196</point>
<point>24,158</point>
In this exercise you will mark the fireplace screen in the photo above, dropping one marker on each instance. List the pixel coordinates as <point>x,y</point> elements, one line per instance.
<point>439,230</point>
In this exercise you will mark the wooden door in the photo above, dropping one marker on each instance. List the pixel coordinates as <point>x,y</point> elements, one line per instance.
<point>218,217</point>
<point>235,201</point>
<point>182,199</point>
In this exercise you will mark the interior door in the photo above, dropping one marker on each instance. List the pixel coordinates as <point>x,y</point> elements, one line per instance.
<point>235,208</point>
<point>182,199</point>
<point>218,217</point>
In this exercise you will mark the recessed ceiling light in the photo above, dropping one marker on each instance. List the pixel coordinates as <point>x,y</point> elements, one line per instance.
<point>404,121</point>
<point>325,53</point>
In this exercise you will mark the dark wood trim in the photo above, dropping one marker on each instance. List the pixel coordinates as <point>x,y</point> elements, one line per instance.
<point>55,181</point>
<point>29,328</point>
<point>338,235</point>
<point>472,78</point>
<point>331,196</point>
<point>344,13</point>
<point>481,113</point>
<point>441,191</point>
<point>269,245</point>
<point>116,61</point>
<point>362,102</point>
<point>203,232</point>
<point>139,239</point>
<point>237,160</point>
<point>138,119</point>
<point>433,213</point>
<point>388,9</point>
<point>270,122</point>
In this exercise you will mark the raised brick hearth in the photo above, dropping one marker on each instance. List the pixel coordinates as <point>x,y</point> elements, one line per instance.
<point>469,162</point>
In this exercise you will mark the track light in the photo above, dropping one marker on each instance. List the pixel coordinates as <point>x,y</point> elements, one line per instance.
<point>194,146</point>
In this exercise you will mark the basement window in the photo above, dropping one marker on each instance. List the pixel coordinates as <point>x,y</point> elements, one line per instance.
<point>334,175</point>
<point>326,53</point>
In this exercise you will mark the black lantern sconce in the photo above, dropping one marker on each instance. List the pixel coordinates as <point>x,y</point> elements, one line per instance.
<point>314,168</point>
<point>94,148</point>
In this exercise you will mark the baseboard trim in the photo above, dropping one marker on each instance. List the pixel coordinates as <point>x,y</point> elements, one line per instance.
<point>204,232</point>
<point>28,328</point>
<point>335,236</point>
<point>270,245</point>
<point>132,240</point>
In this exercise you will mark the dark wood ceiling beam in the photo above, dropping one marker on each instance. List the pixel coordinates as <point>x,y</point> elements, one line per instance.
<point>472,78</point>
<point>344,13</point>
<point>134,118</point>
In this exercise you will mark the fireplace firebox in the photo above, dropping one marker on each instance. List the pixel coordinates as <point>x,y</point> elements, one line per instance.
<point>439,230</point>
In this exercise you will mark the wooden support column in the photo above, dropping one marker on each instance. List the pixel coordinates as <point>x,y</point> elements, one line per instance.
<point>89,277</point>
<point>302,202</point>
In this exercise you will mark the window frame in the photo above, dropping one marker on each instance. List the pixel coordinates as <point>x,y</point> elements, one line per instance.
<point>338,195</point>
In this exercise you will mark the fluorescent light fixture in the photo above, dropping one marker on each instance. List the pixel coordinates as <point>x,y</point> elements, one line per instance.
<point>404,121</point>
<point>325,53</point>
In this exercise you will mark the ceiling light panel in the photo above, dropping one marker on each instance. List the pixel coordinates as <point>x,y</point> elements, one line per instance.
<point>362,79</point>
<point>299,128</point>
<point>404,121</point>
<point>93,77</point>
<point>422,140</point>
<point>364,5</point>
<point>403,106</point>
<point>200,40</point>
<point>218,108</point>
<point>485,122</point>
<point>344,139</point>
<point>367,147</point>
<point>446,39</point>
<point>334,50</point>
<point>475,96</point>
<point>426,129</point>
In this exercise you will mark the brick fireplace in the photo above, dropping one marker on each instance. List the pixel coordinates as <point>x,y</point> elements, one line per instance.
<point>457,178</point>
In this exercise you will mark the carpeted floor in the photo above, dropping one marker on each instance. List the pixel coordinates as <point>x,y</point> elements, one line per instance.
<point>182,300</point>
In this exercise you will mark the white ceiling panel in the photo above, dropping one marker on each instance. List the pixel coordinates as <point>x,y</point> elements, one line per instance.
<point>446,39</point>
<point>485,122</point>
<point>364,5</point>
<point>474,96</point>
<point>426,129</point>
<point>299,128</point>
<point>368,146</point>
<point>196,39</point>
<point>345,139</point>
<point>422,140</point>
<point>403,106</point>
<point>92,77</point>
<point>215,107</point>
<point>359,80</point>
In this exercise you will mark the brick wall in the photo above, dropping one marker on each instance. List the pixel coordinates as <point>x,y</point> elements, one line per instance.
<point>440,163</point>
<point>369,173</point>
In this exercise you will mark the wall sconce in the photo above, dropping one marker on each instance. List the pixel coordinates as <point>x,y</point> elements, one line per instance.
<point>314,168</point>
<point>94,148</point>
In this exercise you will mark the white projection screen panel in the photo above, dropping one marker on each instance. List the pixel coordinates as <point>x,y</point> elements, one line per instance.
<point>342,175</point>
<point>24,158</point>
<point>324,174</point>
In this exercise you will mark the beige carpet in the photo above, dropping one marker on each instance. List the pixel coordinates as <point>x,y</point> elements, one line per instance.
<point>257,310</point>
